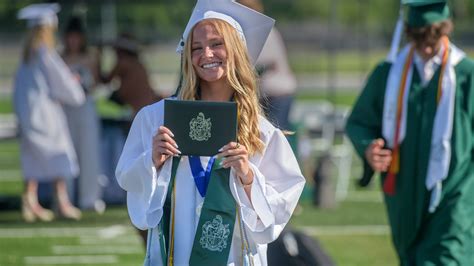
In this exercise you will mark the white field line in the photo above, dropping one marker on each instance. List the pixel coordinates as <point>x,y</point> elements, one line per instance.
<point>61,232</point>
<point>343,230</point>
<point>120,231</point>
<point>99,250</point>
<point>65,260</point>
<point>113,231</point>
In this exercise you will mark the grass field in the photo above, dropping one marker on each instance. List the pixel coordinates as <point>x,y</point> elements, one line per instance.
<point>163,59</point>
<point>108,109</point>
<point>354,233</point>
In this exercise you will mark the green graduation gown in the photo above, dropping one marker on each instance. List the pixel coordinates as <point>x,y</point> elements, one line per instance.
<point>445,237</point>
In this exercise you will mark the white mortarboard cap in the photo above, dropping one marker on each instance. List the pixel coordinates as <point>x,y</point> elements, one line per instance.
<point>254,26</point>
<point>40,14</point>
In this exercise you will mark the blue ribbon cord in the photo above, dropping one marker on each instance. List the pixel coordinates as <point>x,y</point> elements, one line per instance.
<point>201,176</point>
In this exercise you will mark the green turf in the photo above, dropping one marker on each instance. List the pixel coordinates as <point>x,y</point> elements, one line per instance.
<point>357,249</point>
<point>113,215</point>
<point>14,250</point>
<point>352,213</point>
<point>11,188</point>
<point>339,99</point>
<point>360,250</point>
<point>109,109</point>
<point>10,168</point>
<point>301,60</point>
<point>343,61</point>
<point>165,60</point>
<point>6,106</point>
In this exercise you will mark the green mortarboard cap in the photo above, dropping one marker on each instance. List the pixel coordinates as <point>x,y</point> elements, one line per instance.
<point>426,12</point>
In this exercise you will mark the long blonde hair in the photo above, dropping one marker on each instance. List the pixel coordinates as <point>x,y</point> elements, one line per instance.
<point>39,35</point>
<point>241,77</point>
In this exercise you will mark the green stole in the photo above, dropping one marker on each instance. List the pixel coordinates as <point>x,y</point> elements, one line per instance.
<point>216,223</point>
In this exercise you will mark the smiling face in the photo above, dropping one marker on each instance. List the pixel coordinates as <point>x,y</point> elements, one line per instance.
<point>208,53</point>
<point>211,72</point>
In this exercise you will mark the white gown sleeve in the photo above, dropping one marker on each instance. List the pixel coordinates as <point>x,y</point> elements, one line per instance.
<point>146,187</point>
<point>62,83</point>
<point>277,186</point>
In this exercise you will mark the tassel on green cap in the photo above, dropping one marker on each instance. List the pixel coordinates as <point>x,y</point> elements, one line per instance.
<point>426,12</point>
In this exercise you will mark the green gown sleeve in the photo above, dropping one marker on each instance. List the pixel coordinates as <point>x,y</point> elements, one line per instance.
<point>471,112</point>
<point>365,122</point>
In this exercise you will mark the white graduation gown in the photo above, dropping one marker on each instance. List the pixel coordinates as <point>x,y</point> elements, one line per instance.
<point>275,191</point>
<point>40,89</point>
<point>84,125</point>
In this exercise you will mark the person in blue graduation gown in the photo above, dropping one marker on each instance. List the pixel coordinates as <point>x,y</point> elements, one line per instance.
<point>43,84</point>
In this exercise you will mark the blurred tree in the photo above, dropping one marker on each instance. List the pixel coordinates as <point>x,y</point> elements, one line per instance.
<point>164,19</point>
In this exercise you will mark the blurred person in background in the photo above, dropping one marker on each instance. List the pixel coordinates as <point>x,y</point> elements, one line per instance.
<point>414,123</point>
<point>83,120</point>
<point>43,83</point>
<point>277,81</point>
<point>135,89</point>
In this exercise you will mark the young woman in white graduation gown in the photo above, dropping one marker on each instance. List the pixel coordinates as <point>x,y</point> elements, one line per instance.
<point>83,120</point>
<point>265,181</point>
<point>43,83</point>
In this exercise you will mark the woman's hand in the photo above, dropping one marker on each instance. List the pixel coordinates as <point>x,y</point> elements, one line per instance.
<point>236,156</point>
<point>163,147</point>
<point>378,157</point>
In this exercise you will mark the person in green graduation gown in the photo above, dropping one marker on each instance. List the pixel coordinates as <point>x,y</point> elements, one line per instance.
<point>414,123</point>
